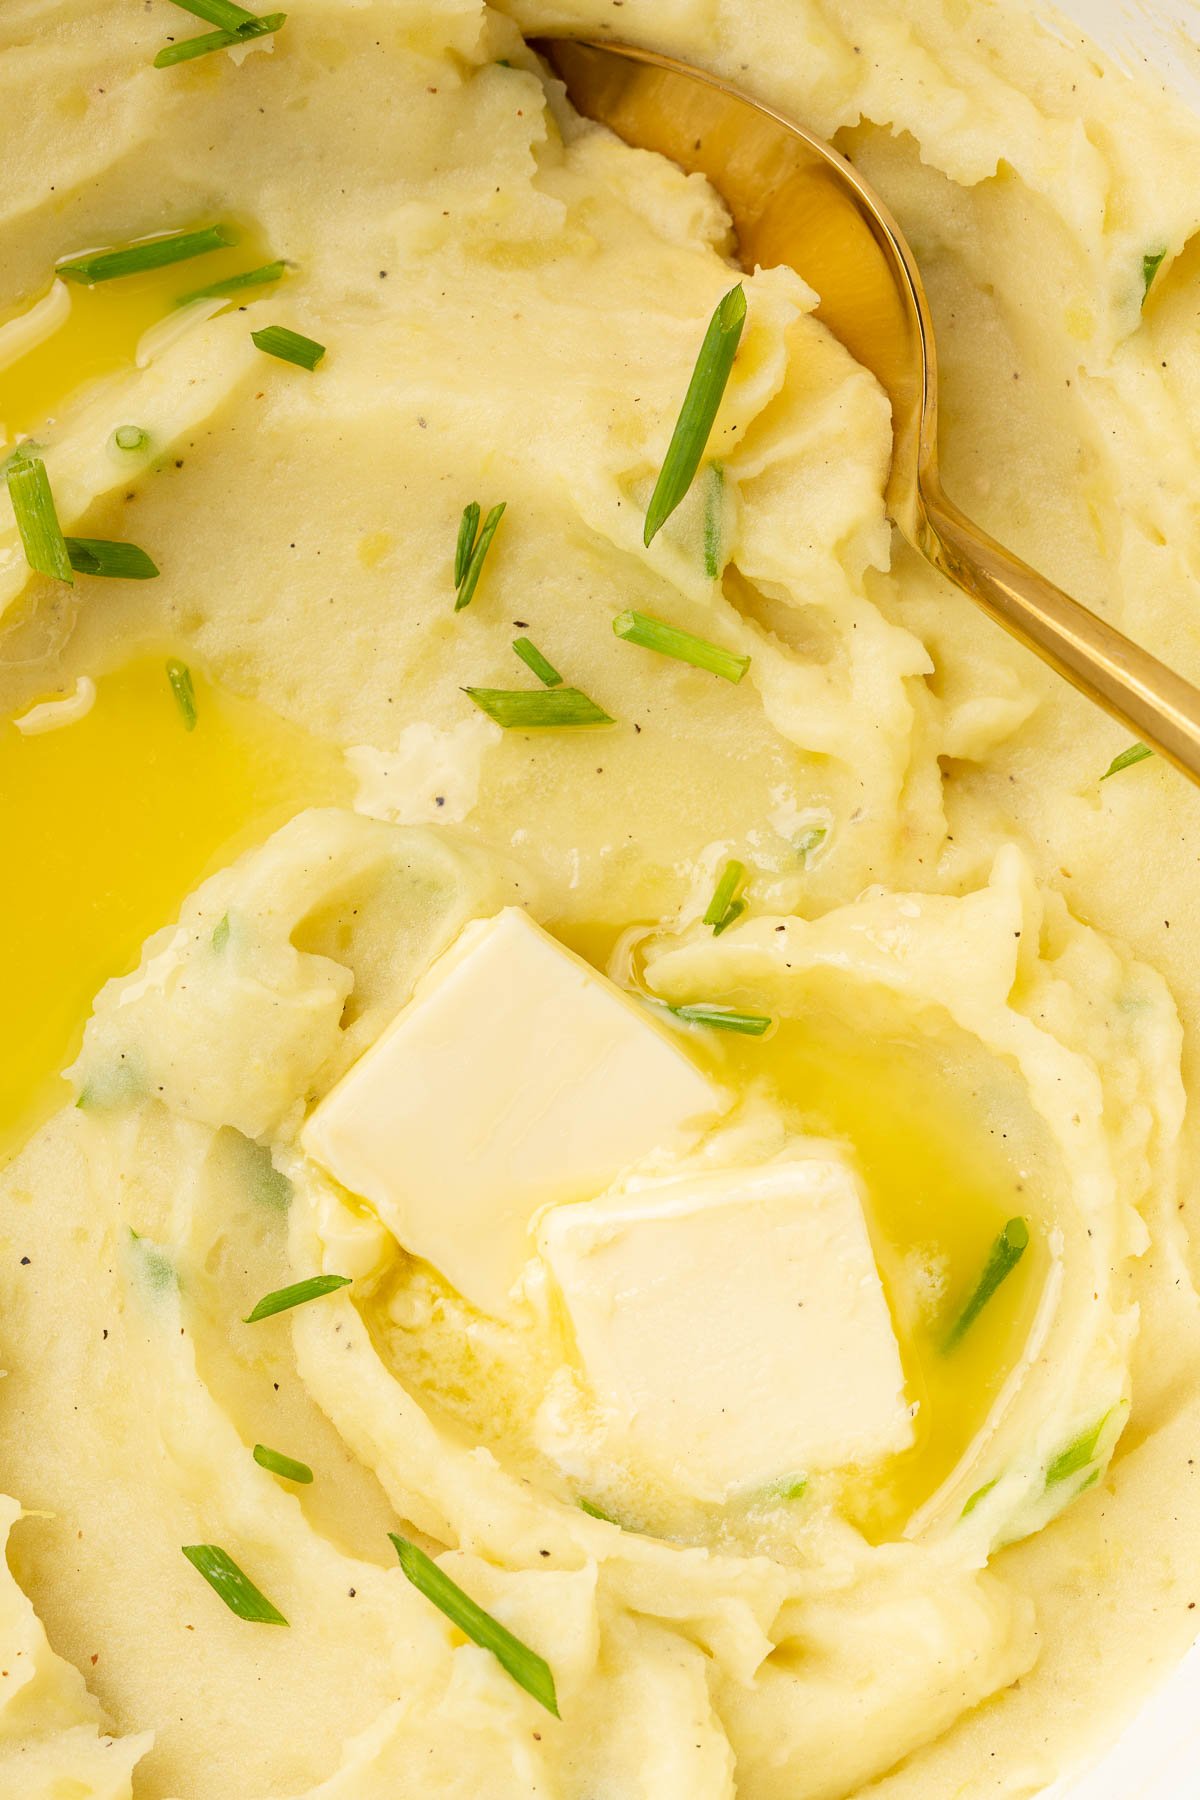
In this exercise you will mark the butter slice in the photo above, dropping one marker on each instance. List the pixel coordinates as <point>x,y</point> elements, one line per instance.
<point>516,1076</point>
<point>732,1327</point>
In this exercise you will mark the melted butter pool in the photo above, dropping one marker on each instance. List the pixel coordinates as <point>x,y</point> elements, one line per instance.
<point>107,825</point>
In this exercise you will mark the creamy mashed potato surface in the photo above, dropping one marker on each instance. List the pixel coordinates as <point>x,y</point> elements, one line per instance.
<point>646,1329</point>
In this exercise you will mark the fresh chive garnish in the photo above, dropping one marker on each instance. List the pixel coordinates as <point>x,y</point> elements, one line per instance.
<point>474,568</point>
<point>981,1493</point>
<point>734,913</point>
<point>298,1294</point>
<point>810,840</point>
<point>33,508</point>
<point>669,640</point>
<point>154,253</point>
<point>130,437</point>
<point>235,284</point>
<point>593,1511</point>
<point>468,526</point>
<point>289,346</point>
<point>279,1464</point>
<point>100,556</point>
<point>1136,753</point>
<point>218,12</point>
<point>208,41</point>
<point>1003,1257</point>
<point>724,896</point>
<point>1077,1455</point>
<point>723,1018</point>
<point>713,503</point>
<point>235,1589</point>
<point>221,930</point>
<point>1150,266</point>
<point>180,678</point>
<point>533,659</point>
<point>527,1668</point>
<point>537,709</point>
<point>698,411</point>
<point>788,1487</point>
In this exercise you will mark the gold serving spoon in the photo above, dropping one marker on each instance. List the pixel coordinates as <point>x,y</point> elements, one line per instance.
<point>793,199</point>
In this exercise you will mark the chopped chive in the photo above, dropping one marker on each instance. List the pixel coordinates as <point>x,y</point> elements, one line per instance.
<point>669,640</point>
<point>468,526</point>
<point>218,12</point>
<point>537,709</point>
<point>220,936</point>
<point>279,1464</point>
<point>698,411</point>
<point>723,1018</point>
<point>289,346</point>
<point>298,1294</point>
<point>474,568</point>
<point>593,1511</point>
<point>33,508</point>
<point>981,1493</point>
<point>1003,1257</point>
<point>1077,1455</point>
<point>810,840</point>
<point>1150,266</point>
<point>731,917</point>
<point>235,1589</point>
<point>527,1668</point>
<point>180,678</point>
<point>533,659</point>
<point>713,503</point>
<point>235,284</point>
<point>130,437</point>
<point>1136,753</point>
<point>188,48</point>
<point>153,253</point>
<point>732,877</point>
<point>788,1487</point>
<point>100,556</point>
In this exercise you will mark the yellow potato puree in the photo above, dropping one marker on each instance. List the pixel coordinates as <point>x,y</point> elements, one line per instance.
<point>780,1510</point>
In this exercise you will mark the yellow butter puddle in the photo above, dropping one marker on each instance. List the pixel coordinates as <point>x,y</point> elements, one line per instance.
<point>107,824</point>
<point>100,331</point>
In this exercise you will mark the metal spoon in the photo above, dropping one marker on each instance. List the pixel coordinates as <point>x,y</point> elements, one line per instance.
<point>795,200</point>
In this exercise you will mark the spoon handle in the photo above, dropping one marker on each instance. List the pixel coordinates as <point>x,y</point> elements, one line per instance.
<point>1158,706</point>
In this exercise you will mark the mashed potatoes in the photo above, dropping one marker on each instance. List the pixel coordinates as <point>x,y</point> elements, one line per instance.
<point>977,960</point>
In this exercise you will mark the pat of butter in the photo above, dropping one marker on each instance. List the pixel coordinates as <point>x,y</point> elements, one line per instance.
<point>515,1077</point>
<point>732,1326</point>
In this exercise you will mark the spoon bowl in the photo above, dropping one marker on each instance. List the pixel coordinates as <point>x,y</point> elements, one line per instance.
<point>795,200</point>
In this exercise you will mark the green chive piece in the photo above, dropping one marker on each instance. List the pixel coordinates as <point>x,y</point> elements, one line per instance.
<point>527,1668</point>
<point>220,936</point>
<point>180,678</point>
<point>130,437</point>
<point>298,1294</point>
<point>731,917</point>
<point>208,41</point>
<point>732,877</point>
<point>235,1589</point>
<point>156,1265</point>
<point>723,1018</point>
<point>100,556</point>
<point>809,841</point>
<point>218,12</point>
<point>474,568</point>
<point>279,1464</point>
<point>593,1511</point>
<point>153,253</point>
<point>533,659</point>
<point>788,1487</point>
<point>669,640</point>
<point>537,709</point>
<point>979,1494</point>
<point>468,526</point>
<point>1077,1455</point>
<point>1003,1257</point>
<point>699,409</point>
<point>235,284</point>
<point>289,346</point>
<point>1150,267</point>
<point>33,508</point>
<point>1136,753</point>
<point>713,504</point>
